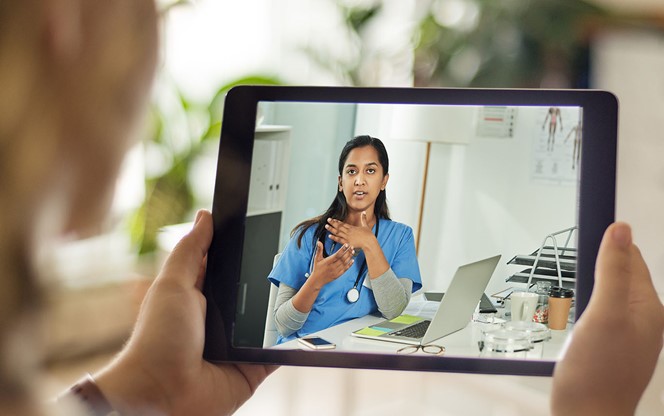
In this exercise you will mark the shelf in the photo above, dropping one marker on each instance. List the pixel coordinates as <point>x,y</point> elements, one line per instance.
<point>545,274</point>
<point>520,278</point>
<point>566,263</point>
<point>253,211</point>
<point>548,273</point>
<point>269,169</point>
<point>553,262</point>
<point>272,129</point>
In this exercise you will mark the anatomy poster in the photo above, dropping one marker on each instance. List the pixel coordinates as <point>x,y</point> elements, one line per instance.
<point>557,145</point>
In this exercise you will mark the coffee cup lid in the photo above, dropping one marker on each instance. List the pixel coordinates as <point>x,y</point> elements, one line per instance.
<point>561,292</point>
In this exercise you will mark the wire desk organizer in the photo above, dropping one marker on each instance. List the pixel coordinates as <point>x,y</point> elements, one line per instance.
<point>552,262</point>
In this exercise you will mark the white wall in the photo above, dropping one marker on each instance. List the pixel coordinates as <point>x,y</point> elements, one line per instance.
<point>318,133</point>
<point>482,197</point>
<point>316,29</point>
<point>208,43</point>
<point>631,65</point>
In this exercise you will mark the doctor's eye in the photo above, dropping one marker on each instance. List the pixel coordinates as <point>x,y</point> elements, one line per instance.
<point>371,171</point>
<point>351,171</point>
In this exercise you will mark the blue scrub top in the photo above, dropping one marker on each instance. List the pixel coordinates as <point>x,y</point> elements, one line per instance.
<point>331,306</point>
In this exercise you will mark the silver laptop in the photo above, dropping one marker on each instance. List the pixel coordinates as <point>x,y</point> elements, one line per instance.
<point>454,312</point>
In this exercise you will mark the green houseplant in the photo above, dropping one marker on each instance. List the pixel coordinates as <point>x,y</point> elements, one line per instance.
<point>180,130</point>
<point>515,43</point>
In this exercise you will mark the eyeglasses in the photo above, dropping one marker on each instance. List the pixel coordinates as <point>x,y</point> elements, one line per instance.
<point>490,319</point>
<point>428,349</point>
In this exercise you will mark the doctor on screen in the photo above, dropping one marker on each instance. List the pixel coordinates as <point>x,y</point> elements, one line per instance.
<point>350,261</point>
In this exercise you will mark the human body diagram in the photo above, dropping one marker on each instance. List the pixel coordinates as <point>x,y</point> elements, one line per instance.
<point>553,117</point>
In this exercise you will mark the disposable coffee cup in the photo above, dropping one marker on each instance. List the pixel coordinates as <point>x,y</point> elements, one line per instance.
<point>560,302</point>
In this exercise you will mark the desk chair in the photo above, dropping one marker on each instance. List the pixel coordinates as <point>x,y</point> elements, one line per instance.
<point>270,335</point>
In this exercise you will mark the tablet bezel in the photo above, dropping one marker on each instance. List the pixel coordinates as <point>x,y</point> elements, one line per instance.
<point>596,210</point>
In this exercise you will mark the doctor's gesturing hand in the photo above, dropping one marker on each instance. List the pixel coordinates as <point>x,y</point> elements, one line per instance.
<point>325,270</point>
<point>356,236</point>
<point>360,237</point>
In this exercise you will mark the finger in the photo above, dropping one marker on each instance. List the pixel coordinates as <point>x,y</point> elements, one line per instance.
<point>349,260</point>
<point>331,229</point>
<point>348,254</point>
<point>183,265</point>
<point>337,239</point>
<point>614,269</point>
<point>200,279</point>
<point>363,219</point>
<point>343,256</point>
<point>319,251</point>
<point>346,259</point>
<point>343,267</point>
<point>643,289</point>
<point>342,264</point>
<point>336,223</point>
<point>343,249</point>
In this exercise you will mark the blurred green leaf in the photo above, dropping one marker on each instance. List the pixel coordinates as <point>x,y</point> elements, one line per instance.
<point>358,17</point>
<point>519,42</point>
<point>216,104</point>
<point>169,197</point>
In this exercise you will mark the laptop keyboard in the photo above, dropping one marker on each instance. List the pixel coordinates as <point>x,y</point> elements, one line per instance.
<point>414,331</point>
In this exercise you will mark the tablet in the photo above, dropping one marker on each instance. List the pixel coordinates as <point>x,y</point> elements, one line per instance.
<point>472,173</point>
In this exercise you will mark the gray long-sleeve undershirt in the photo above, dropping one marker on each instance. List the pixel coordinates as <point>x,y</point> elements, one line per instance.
<point>392,295</point>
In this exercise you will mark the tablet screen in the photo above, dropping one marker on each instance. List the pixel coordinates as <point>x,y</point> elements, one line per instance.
<point>460,179</point>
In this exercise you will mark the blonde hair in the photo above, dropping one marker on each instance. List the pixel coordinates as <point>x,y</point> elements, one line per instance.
<point>41,124</point>
<point>18,293</point>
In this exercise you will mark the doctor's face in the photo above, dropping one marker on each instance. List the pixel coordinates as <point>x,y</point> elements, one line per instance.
<point>362,179</point>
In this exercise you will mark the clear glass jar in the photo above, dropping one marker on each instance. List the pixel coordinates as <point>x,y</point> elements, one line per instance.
<point>504,343</point>
<point>538,334</point>
<point>543,289</point>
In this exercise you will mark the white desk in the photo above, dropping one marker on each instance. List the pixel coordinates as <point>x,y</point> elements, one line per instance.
<point>463,343</point>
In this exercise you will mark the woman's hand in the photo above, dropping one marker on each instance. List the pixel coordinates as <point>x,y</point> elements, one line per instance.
<point>327,269</point>
<point>356,236</point>
<point>161,371</point>
<point>360,237</point>
<point>616,343</point>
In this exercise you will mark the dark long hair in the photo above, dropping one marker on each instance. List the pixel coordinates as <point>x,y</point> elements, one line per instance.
<point>339,207</point>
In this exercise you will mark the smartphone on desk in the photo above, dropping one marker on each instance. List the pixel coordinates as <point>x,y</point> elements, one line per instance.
<point>317,343</point>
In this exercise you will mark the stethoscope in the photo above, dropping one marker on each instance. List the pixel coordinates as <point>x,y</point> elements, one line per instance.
<point>353,294</point>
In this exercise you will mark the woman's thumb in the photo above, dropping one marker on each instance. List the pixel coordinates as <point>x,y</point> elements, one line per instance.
<point>319,251</point>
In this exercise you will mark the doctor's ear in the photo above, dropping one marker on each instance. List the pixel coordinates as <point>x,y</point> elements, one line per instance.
<point>341,188</point>
<point>384,184</point>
